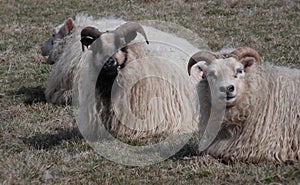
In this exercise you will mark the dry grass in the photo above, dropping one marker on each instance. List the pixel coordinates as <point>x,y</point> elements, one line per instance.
<point>39,143</point>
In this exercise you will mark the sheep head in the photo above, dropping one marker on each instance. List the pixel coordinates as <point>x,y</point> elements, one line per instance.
<point>59,32</point>
<point>226,74</point>
<point>114,42</point>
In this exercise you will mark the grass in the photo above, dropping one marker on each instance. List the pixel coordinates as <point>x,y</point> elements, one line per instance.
<point>39,142</point>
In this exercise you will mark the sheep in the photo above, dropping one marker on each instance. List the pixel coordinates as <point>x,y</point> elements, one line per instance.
<point>261,106</point>
<point>144,82</point>
<point>150,96</point>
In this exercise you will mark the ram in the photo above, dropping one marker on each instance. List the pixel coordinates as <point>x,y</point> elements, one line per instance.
<point>262,102</point>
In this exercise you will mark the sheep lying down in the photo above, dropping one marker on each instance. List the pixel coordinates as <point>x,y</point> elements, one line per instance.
<point>262,106</point>
<point>138,89</point>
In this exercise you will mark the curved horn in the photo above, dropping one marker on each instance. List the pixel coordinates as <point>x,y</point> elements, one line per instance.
<point>129,31</point>
<point>88,36</point>
<point>200,56</point>
<point>243,52</point>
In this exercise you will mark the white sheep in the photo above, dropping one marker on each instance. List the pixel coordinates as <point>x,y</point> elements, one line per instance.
<point>152,72</point>
<point>262,117</point>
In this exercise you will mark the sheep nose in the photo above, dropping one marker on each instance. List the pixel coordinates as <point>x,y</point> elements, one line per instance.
<point>110,62</point>
<point>227,89</point>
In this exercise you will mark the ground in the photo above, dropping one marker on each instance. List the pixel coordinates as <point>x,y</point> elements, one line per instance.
<point>39,143</point>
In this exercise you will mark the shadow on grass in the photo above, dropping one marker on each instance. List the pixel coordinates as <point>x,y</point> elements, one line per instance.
<point>32,94</point>
<point>189,150</point>
<point>47,141</point>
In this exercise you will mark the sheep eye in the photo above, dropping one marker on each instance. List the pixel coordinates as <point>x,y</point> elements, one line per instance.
<point>239,71</point>
<point>212,75</point>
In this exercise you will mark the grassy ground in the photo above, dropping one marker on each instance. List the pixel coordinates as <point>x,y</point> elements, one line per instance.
<point>39,143</point>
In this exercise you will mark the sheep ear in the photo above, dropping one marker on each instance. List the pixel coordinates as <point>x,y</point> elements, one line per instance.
<point>88,35</point>
<point>66,28</point>
<point>201,70</point>
<point>202,73</point>
<point>248,62</point>
<point>86,41</point>
<point>95,46</point>
<point>69,25</point>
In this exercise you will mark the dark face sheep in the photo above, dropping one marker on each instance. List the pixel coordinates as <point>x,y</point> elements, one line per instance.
<point>107,42</point>
<point>106,55</point>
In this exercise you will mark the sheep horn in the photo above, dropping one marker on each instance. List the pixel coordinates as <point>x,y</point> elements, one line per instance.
<point>129,31</point>
<point>243,52</point>
<point>88,36</point>
<point>200,56</point>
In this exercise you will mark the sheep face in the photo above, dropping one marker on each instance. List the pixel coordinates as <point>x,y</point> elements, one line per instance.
<point>226,78</point>
<point>106,48</point>
<point>58,33</point>
<point>226,72</point>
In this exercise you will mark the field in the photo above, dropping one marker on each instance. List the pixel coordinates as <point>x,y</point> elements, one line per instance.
<point>39,143</point>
